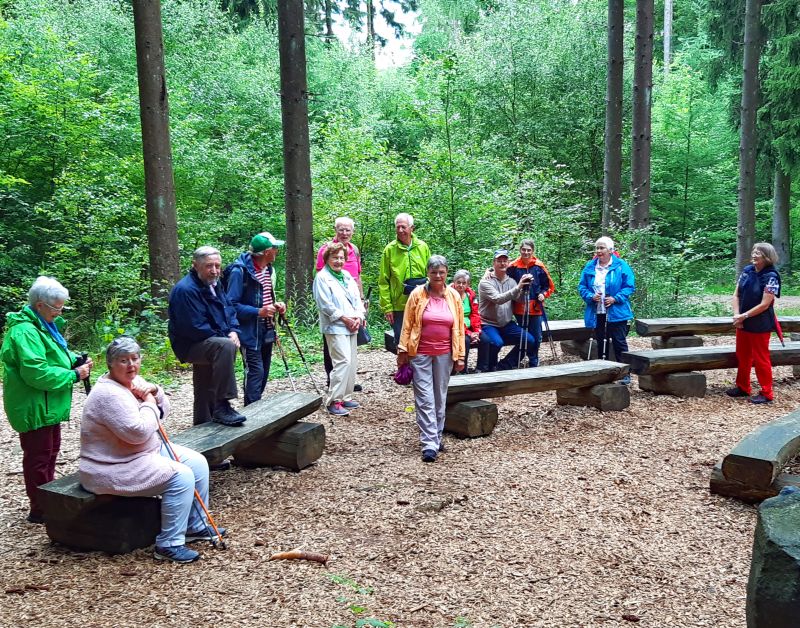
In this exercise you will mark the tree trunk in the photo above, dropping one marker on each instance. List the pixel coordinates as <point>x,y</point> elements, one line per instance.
<point>296,154</point>
<point>780,217</point>
<point>642,94</point>
<point>162,220</point>
<point>371,27</point>
<point>667,35</point>
<point>329,36</point>
<point>748,140</point>
<point>612,171</point>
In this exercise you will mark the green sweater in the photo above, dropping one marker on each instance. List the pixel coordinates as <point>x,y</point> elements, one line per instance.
<point>400,262</point>
<point>37,387</point>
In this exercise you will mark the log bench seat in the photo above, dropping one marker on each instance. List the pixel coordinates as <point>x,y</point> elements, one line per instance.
<point>672,371</point>
<point>752,470</point>
<point>270,436</point>
<point>589,383</point>
<point>672,333</point>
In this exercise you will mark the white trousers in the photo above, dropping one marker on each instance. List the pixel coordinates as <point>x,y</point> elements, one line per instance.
<point>344,357</point>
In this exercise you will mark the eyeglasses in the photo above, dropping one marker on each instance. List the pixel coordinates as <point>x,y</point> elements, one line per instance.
<point>53,308</point>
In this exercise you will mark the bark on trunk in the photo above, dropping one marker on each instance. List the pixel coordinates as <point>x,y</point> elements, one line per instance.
<point>612,171</point>
<point>667,35</point>
<point>642,94</point>
<point>780,218</point>
<point>748,140</point>
<point>296,154</point>
<point>371,27</point>
<point>329,36</point>
<point>162,221</point>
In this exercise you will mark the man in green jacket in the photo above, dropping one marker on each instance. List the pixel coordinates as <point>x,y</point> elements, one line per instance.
<point>404,265</point>
<point>37,388</point>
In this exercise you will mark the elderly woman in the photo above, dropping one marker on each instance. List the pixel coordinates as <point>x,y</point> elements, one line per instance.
<point>341,313</point>
<point>432,339</point>
<point>37,388</point>
<point>606,286</point>
<point>754,319</point>
<point>122,454</point>
<point>472,317</point>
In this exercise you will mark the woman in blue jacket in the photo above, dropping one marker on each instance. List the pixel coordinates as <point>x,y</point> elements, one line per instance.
<point>606,286</point>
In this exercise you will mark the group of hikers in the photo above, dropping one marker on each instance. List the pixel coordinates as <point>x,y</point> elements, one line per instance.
<point>215,313</point>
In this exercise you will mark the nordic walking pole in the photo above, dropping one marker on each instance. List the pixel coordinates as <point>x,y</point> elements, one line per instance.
<point>285,322</point>
<point>547,327</point>
<point>216,537</point>
<point>523,338</point>
<point>285,362</point>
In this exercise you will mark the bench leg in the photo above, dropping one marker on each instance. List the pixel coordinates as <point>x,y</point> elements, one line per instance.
<point>678,384</point>
<point>295,447</point>
<point>606,397</point>
<point>469,419</point>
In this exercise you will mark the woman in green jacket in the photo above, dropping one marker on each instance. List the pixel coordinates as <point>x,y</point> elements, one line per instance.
<point>37,386</point>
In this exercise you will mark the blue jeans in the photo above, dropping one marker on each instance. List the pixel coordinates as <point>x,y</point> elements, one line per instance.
<point>256,371</point>
<point>535,330</point>
<point>495,338</point>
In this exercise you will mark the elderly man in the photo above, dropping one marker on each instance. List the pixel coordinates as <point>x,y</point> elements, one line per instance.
<point>497,291</point>
<point>404,266</point>
<point>204,331</point>
<point>251,290</point>
<point>344,227</point>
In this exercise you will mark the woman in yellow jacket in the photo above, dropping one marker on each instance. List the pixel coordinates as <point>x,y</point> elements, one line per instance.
<point>432,339</point>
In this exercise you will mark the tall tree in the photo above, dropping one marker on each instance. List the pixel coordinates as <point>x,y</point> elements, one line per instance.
<point>162,220</point>
<point>780,216</point>
<point>296,153</point>
<point>642,103</point>
<point>748,138</point>
<point>612,170</point>
<point>667,35</point>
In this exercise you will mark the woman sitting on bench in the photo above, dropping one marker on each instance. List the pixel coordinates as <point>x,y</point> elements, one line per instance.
<point>121,453</point>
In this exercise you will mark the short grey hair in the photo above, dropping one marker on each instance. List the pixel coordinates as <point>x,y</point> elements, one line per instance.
<point>462,273</point>
<point>404,217</point>
<point>344,220</point>
<point>528,242</point>
<point>606,242</point>
<point>48,290</point>
<point>124,345</point>
<point>768,251</point>
<point>435,261</point>
<point>202,252</point>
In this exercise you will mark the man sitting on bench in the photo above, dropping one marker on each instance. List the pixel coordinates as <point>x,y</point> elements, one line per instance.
<point>497,291</point>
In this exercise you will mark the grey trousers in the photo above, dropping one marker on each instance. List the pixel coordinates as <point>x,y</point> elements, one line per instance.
<point>212,375</point>
<point>431,377</point>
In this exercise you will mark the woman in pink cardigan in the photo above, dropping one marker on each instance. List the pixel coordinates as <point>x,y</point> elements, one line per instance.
<point>122,454</point>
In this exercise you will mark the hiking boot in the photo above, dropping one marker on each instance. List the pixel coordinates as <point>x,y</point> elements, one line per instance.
<point>429,455</point>
<point>177,554</point>
<point>442,448</point>
<point>625,380</point>
<point>338,409</point>
<point>226,415</point>
<point>350,404</point>
<point>356,388</point>
<point>736,392</point>
<point>220,466</point>
<point>205,534</point>
<point>759,399</point>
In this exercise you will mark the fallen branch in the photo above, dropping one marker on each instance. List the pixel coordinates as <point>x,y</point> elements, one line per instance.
<point>301,555</point>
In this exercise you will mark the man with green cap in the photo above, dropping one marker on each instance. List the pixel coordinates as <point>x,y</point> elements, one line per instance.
<point>252,292</point>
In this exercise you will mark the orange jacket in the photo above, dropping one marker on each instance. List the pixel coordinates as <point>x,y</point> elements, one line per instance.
<point>541,282</point>
<point>412,322</point>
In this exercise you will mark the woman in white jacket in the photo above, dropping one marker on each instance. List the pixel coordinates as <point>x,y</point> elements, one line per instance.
<point>341,313</point>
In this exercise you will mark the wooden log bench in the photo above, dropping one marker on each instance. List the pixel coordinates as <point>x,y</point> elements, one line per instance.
<point>588,383</point>
<point>674,333</point>
<point>270,436</point>
<point>673,371</point>
<point>752,470</point>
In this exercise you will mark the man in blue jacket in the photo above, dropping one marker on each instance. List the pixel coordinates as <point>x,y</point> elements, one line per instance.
<point>204,331</point>
<point>252,292</point>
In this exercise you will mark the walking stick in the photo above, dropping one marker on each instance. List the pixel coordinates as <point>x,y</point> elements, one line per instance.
<point>285,362</point>
<point>285,323</point>
<point>523,339</point>
<point>216,537</point>
<point>547,327</point>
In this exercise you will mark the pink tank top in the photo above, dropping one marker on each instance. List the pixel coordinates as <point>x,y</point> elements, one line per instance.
<point>437,326</point>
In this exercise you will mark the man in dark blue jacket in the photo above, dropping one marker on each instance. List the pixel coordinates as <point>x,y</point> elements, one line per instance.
<point>204,331</point>
<point>251,290</point>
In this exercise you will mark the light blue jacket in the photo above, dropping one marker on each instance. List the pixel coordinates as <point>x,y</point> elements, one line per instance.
<point>620,284</point>
<point>335,300</point>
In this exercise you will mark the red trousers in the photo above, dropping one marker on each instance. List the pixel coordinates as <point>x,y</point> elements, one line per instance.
<point>752,349</point>
<point>39,452</point>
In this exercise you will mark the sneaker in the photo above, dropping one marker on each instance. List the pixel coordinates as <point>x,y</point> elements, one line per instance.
<point>177,554</point>
<point>759,398</point>
<point>736,392</point>
<point>625,380</point>
<point>429,455</point>
<point>34,517</point>
<point>226,415</point>
<point>220,466</point>
<point>350,404</point>
<point>356,388</point>
<point>205,534</point>
<point>338,409</point>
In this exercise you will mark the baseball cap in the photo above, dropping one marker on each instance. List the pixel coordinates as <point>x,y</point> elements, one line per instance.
<point>500,253</point>
<point>264,241</point>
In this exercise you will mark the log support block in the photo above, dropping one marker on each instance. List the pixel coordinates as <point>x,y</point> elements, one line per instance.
<point>678,384</point>
<point>606,397</point>
<point>469,419</point>
<point>676,342</point>
<point>295,447</point>
<point>580,349</point>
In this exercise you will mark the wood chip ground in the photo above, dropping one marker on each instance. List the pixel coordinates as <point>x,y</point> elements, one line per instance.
<point>563,517</point>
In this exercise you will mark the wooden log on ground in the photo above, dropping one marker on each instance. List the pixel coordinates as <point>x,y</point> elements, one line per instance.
<point>533,380</point>
<point>606,397</point>
<point>676,342</point>
<point>470,419</point>
<point>696,325</point>
<point>760,456</point>
<point>720,485</point>
<point>662,361</point>
<point>295,447</point>
<point>678,384</point>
